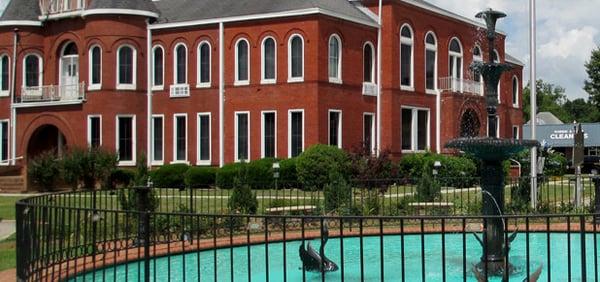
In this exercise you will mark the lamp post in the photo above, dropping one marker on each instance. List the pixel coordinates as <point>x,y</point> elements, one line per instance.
<point>276,173</point>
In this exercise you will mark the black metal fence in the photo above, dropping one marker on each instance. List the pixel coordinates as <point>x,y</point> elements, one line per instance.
<point>192,235</point>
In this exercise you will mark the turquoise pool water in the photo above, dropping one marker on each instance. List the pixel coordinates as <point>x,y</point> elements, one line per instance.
<point>174,267</point>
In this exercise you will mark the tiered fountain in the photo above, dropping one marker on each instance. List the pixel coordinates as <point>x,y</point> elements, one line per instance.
<point>492,151</point>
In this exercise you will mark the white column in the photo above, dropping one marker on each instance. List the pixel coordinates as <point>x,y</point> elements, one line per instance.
<point>221,95</point>
<point>379,80</point>
<point>149,127</point>
<point>13,111</point>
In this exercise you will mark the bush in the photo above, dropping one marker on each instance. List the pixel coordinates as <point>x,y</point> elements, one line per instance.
<point>87,166</point>
<point>337,193</point>
<point>288,176</point>
<point>459,172</point>
<point>555,164</point>
<point>200,177</point>
<point>242,200</point>
<point>315,165</point>
<point>44,170</point>
<point>141,171</point>
<point>372,171</point>
<point>260,174</point>
<point>120,178</point>
<point>170,176</point>
<point>226,175</point>
<point>428,190</point>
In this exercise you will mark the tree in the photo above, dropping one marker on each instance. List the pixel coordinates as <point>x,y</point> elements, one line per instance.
<point>550,98</point>
<point>582,110</point>
<point>592,84</point>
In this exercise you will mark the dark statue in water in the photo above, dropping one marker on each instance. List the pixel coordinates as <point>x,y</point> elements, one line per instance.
<point>317,262</point>
<point>492,151</point>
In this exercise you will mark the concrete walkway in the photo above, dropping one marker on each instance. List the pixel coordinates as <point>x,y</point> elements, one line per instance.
<point>7,228</point>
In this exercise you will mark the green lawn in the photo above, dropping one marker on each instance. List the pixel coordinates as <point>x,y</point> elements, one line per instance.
<point>7,207</point>
<point>8,253</point>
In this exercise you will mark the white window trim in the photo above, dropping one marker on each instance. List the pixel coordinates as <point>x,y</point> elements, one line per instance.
<point>415,127</point>
<point>373,67</point>
<point>89,127</point>
<point>290,78</point>
<point>339,127</point>
<point>200,84</point>
<point>264,80</point>
<point>431,47</point>
<point>162,118</point>
<point>175,64</point>
<point>127,86</point>
<point>133,139</point>
<point>8,140</point>
<point>6,93</point>
<point>41,69</point>
<point>408,41</point>
<point>94,86</point>
<point>198,160</point>
<point>372,115</point>
<point>159,87</point>
<point>500,81</point>
<point>462,61</point>
<point>338,79</point>
<point>290,129</point>
<point>516,97</point>
<point>262,132</point>
<point>175,160</point>
<point>237,81</point>
<point>236,135</point>
<point>479,58</point>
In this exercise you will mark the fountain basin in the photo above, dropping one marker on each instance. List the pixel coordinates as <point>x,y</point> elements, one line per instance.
<point>491,149</point>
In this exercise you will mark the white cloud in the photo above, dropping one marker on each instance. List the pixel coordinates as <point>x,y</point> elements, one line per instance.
<point>575,43</point>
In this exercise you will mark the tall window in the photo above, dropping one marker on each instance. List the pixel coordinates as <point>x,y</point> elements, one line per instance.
<point>242,136</point>
<point>296,132</point>
<point>368,132</point>
<point>204,139</point>
<point>430,62</point>
<point>515,92</point>
<point>406,57</point>
<point>4,70</point>
<point>180,137</point>
<point>242,62</point>
<point>415,129</point>
<point>180,62</point>
<point>126,67</point>
<point>33,70</point>
<point>455,65</point>
<point>335,128</point>
<point>126,139</point>
<point>158,134</point>
<point>515,132</point>
<point>335,59</point>
<point>94,131</point>
<point>477,57</point>
<point>95,63</point>
<point>368,65</point>
<point>296,58</point>
<point>496,59</point>
<point>158,65</point>
<point>269,131</point>
<point>269,60</point>
<point>204,63</point>
<point>4,142</point>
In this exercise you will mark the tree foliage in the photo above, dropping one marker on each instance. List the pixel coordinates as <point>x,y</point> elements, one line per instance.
<point>592,84</point>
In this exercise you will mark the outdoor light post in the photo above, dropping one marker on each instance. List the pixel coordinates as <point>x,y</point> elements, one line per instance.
<point>276,173</point>
<point>436,168</point>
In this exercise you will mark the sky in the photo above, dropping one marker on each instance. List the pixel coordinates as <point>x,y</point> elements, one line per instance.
<point>567,32</point>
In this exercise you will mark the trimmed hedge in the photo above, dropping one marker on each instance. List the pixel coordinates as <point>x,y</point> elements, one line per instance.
<point>288,175</point>
<point>200,177</point>
<point>459,172</point>
<point>316,164</point>
<point>226,175</point>
<point>170,176</point>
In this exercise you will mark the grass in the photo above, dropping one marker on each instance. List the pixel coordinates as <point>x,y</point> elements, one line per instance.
<point>8,253</point>
<point>7,207</point>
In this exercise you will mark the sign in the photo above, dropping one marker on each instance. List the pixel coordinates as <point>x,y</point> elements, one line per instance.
<point>578,147</point>
<point>563,135</point>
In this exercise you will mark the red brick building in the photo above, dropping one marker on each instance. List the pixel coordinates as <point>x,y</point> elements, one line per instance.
<point>220,81</point>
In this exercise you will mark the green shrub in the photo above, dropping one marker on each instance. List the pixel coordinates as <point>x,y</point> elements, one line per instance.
<point>141,171</point>
<point>459,172</point>
<point>288,176</point>
<point>555,164</point>
<point>337,193</point>
<point>120,178</point>
<point>428,190</point>
<point>242,200</point>
<point>87,166</point>
<point>128,199</point>
<point>260,174</point>
<point>371,204</point>
<point>170,176</point>
<point>226,175</point>
<point>200,177</point>
<point>316,164</point>
<point>44,170</point>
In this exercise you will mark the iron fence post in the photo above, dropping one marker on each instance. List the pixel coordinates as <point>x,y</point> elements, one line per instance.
<point>144,227</point>
<point>596,181</point>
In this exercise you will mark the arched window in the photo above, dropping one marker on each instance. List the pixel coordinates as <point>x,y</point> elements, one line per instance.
<point>515,92</point>
<point>455,64</point>
<point>204,64</point>
<point>296,58</point>
<point>95,67</point>
<point>32,71</point>
<point>478,57</point>
<point>242,62</point>
<point>180,64</point>
<point>430,62</point>
<point>335,59</point>
<point>126,67</point>
<point>158,66</point>
<point>269,60</point>
<point>4,78</point>
<point>368,65</point>
<point>496,59</point>
<point>406,57</point>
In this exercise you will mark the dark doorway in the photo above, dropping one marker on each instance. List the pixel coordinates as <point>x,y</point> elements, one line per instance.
<point>46,138</point>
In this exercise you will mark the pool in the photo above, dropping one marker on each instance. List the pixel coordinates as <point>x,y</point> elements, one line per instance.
<point>249,262</point>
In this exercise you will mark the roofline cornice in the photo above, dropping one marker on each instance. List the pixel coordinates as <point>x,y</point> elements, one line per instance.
<point>20,23</point>
<point>90,12</point>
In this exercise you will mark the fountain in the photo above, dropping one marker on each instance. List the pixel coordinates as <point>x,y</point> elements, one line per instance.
<point>492,151</point>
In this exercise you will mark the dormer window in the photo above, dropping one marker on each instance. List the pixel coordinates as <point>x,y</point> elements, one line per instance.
<point>61,6</point>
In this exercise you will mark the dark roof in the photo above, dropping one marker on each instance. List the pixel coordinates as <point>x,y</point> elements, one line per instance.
<point>21,10</point>
<point>191,10</point>
<point>140,5</point>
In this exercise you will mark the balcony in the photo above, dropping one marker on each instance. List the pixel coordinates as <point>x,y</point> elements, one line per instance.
<point>369,89</point>
<point>460,85</point>
<point>179,90</point>
<point>51,95</point>
<point>61,8</point>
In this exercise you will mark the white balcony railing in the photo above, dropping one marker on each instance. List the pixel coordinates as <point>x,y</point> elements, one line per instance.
<point>369,89</point>
<point>55,7</point>
<point>52,94</point>
<point>180,90</point>
<point>459,85</point>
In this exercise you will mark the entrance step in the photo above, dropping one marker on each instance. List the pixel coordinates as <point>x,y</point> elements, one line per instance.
<point>12,184</point>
